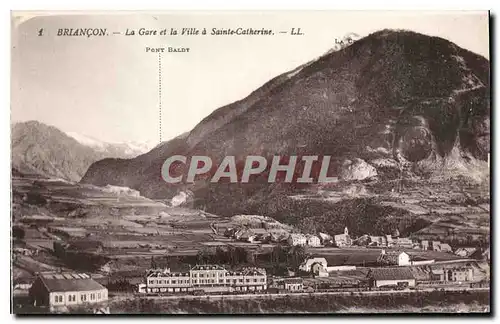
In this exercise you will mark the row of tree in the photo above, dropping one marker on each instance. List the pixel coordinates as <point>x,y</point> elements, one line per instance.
<point>281,256</point>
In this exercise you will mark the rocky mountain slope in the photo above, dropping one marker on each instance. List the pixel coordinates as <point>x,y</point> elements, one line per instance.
<point>45,150</point>
<point>392,103</point>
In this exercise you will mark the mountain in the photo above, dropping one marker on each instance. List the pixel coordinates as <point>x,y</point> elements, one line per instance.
<point>45,150</point>
<point>124,149</point>
<point>392,104</point>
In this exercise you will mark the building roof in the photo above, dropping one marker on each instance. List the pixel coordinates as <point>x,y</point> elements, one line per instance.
<point>253,271</point>
<point>60,282</point>
<point>294,280</point>
<point>207,267</point>
<point>391,274</point>
<point>310,261</point>
<point>297,236</point>
<point>244,233</point>
<point>324,236</point>
<point>466,249</point>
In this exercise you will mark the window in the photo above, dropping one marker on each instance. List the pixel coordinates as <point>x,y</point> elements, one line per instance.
<point>174,281</point>
<point>83,297</point>
<point>98,295</point>
<point>247,280</point>
<point>92,296</point>
<point>221,280</point>
<point>58,299</point>
<point>201,275</point>
<point>254,279</point>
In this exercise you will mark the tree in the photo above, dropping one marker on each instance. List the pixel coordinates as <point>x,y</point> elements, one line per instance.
<point>297,255</point>
<point>221,256</point>
<point>18,232</point>
<point>203,256</point>
<point>278,254</point>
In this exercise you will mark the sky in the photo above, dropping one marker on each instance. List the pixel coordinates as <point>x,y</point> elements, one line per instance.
<point>107,87</point>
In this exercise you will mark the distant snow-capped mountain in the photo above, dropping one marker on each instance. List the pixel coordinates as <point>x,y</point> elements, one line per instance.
<point>127,148</point>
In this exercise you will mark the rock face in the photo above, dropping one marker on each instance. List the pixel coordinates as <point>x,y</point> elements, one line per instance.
<point>356,169</point>
<point>395,95</point>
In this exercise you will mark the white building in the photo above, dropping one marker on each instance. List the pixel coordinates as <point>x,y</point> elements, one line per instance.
<point>290,284</point>
<point>60,290</point>
<point>444,247</point>
<point>465,252</point>
<point>297,239</point>
<point>206,277</point>
<point>404,259</point>
<point>313,240</point>
<point>404,242</point>
<point>341,268</point>
<point>325,238</point>
<point>308,263</point>
<point>343,240</point>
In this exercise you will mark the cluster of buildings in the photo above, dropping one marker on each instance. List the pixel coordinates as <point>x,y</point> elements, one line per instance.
<point>276,236</point>
<point>207,278</point>
<point>343,240</point>
<point>256,235</point>
<point>303,239</point>
<point>59,291</point>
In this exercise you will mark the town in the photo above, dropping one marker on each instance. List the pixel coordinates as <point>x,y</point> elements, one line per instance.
<point>258,257</point>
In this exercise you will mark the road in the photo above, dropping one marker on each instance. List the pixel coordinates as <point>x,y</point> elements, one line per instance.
<point>126,296</point>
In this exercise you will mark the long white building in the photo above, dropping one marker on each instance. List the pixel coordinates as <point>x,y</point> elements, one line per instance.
<point>209,278</point>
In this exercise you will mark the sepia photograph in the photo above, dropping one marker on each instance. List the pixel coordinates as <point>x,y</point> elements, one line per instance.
<point>250,162</point>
